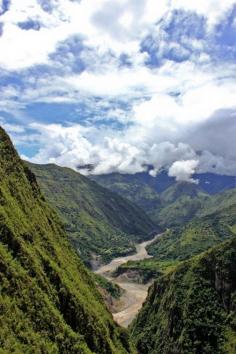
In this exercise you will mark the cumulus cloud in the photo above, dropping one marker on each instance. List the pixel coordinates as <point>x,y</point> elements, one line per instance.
<point>77,146</point>
<point>183,170</point>
<point>120,27</point>
<point>213,10</point>
<point>142,88</point>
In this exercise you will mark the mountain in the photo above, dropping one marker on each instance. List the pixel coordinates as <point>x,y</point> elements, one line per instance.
<point>192,309</point>
<point>215,223</point>
<point>98,221</point>
<point>196,236</point>
<point>167,202</point>
<point>138,187</point>
<point>209,182</point>
<point>213,183</point>
<point>179,204</point>
<point>48,300</point>
<point>218,203</point>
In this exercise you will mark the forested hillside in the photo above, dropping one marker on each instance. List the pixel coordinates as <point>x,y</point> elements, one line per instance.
<point>167,202</point>
<point>181,243</point>
<point>98,222</point>
<point>193,308</point>
<point>48,300</point>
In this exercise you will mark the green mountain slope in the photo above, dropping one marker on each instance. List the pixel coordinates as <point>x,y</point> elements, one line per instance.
<point>193,308</point>
<point>48,300</point>
<point>98,221</point>
<point>133,187</point>
<point>195,237</point>
<point>167,202</point>
<point>218,203</point>
<point>179,204</point>
<point>175,205</point>
<point>181,243</point>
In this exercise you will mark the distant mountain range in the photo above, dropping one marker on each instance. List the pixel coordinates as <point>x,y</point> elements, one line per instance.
<point>167,202</point>
<point>209,182</point>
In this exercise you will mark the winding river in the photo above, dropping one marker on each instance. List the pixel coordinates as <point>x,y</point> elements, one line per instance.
<point>134,294</point>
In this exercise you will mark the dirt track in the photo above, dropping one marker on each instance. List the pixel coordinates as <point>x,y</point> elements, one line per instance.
<point>135,294</point>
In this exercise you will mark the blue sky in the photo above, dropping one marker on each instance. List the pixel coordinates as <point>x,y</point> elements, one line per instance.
<point>121,84</point>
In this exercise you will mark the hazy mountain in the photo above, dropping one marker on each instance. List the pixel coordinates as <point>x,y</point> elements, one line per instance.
<point>209,182</point>
<point>167,202</point>
<point>98,221</point>
<point>49,303</point>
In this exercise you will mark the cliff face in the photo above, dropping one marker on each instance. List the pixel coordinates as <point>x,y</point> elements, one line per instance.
<point>193,308</point>
<point>48,301</point>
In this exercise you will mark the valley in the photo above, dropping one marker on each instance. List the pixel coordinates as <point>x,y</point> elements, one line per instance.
<point>143,294</point>
<point>134,293</point>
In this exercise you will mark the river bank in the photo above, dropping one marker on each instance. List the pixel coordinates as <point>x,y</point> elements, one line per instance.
<point>134,294</point>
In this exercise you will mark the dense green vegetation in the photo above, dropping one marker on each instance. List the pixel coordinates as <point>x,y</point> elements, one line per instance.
<point>195,237</point>
<point>98,221</point>
<point>183,242</point>
<point>192,309</point>
<point>48,300</point>
<point>185,201</point>
<point>132,187</point>
<point>146,270</point>
<point>171,203</point>
<point>111,288</point>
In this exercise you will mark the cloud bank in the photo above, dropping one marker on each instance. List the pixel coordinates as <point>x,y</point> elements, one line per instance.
<point>121,86</point>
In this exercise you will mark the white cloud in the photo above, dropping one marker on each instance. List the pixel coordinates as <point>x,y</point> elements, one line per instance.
<point>183,170</point>
<point>118,27</point>
<point>213,10</point>
<point>166,108</point>
<point>103,26</point>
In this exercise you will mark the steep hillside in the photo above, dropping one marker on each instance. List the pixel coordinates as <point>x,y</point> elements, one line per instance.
<point>98,221</point>
<point>193,308</point>
<point>48,300</point>
<point>196,236</point>
<point>138,188</point>
<point>218,202</point>
<point>179,204</point>
<point>167,202</point>
<point>181,243</point>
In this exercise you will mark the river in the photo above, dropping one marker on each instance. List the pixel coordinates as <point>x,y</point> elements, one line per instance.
<point>134,294</point>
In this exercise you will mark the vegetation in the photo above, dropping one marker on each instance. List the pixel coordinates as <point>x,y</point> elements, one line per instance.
<point>111,288</point>
<point>170,203</point>
<point>192,309</point>
<point>98,222</point>
<point>195,237</point>
<point>146,270</point>
<point>134,187</point>
<point>182,242</point>
<point>48,300</point>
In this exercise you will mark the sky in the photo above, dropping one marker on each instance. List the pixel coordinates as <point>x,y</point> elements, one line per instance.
<point>121,86</point>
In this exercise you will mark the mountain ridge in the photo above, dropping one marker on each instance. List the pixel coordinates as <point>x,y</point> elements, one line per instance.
<point>49,302</point>
<point>98,222</point>
<point>192,308</point>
